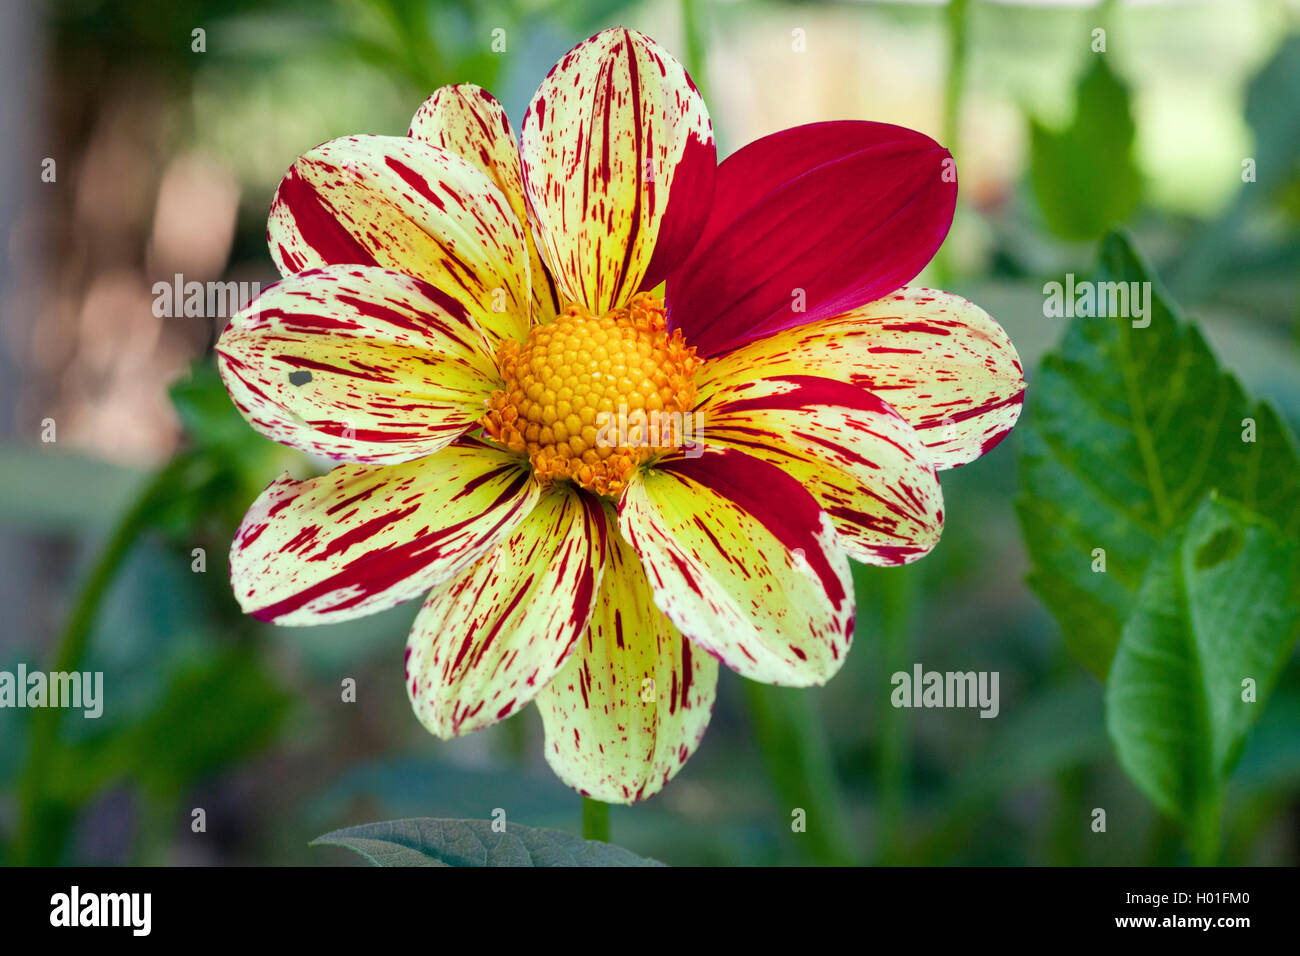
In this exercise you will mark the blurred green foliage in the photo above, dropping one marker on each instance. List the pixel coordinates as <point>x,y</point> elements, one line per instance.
<point>213,712</point>
<point>1223,244</point>
<point>1084,176</point>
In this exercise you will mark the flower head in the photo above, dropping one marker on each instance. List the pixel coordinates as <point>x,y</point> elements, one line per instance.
<point>604,488</point>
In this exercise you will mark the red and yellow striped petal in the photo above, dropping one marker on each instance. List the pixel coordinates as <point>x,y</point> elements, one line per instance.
<point>942,362</point>
<point>618,165</point>
<point>468,121</point>
<point>634,700</point>
<point>364,538</point>
<point>488,641</point>
<point>357,363</point>
<point>864,465</point>
<point>743,561</point>
<point>396,202</point>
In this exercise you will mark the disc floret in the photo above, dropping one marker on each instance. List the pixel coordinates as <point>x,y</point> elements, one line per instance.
<point>589,398</point>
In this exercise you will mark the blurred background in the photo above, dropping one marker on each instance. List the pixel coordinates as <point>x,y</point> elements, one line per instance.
<point>137,148</point>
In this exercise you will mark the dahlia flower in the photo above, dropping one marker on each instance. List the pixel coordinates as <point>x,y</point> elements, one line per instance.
<point>618,411</point>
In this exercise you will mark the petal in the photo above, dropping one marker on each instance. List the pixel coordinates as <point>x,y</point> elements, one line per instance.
<point>634,700</point>
<point>364,538</point>
<point>864,465</point>
<point>489,640</point>
<point>396,202</point>
<point>618,164</point>
<point>809,223</point>
<point>467,120</point>
<point>357,363</point>
<point>942,362</point>
<point>744,562</point>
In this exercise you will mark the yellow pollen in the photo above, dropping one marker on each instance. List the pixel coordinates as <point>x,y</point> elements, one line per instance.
<point>588,398</point>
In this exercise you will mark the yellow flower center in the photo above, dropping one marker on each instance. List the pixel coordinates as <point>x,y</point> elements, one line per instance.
<point>589,398</point>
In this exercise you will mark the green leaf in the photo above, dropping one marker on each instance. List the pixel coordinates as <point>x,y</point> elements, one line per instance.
<point>792,740</point>
<point>1126,430</point>
<point>1084,176</point>
<point>230,462</point>
<point>430,842</point>
<point>206,412</point>
<point>213,424</point>
<point>1218,607</point>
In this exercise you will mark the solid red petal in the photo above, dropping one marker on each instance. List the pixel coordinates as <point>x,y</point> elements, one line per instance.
<point>808,223</point>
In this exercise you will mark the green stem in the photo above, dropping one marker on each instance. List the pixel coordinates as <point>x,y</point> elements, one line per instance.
<point>695,45</point>
<point>1066,839</point>
<point>595,820</point>
<point>155,830</point>
<point>515,739</point>
<point>43,821</point>
<point>957,21</point>
<point>1164,846</point>
<point>793,743</point>
<point>1203,836</point>
<point>957,47</point>
<point>898,593</point>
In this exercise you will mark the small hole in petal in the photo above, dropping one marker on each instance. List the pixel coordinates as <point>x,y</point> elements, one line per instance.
<point>300,377</point>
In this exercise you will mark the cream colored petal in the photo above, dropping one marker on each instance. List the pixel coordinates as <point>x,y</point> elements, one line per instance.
<point>634,700</point>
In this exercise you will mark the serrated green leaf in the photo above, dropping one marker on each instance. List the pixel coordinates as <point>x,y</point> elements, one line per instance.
<point>431,842</point>
<point>1126,431</point>
<point>1084,176</point>
<point>1217,608</point>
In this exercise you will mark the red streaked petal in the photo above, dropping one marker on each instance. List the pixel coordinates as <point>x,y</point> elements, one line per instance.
<point>634,700</point>
<point>743,561</point>
<point>488,641</point>
<point>357,363</point>
<point>396,202</point>
<point>864,465</point>
<point>942,362</point>
<point>364,538</point>
<point>618,165</point>
<point>468,121</point>
<point>808,223</point>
